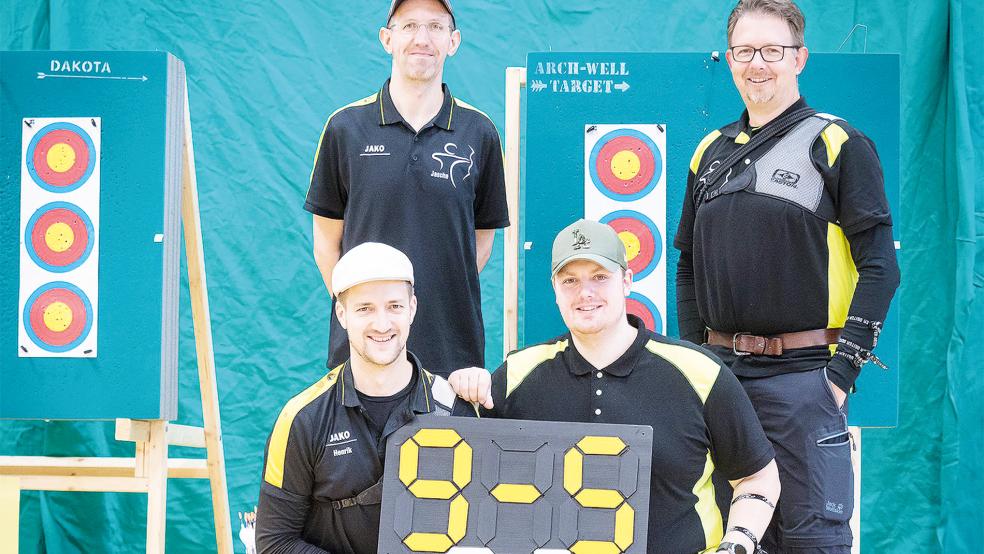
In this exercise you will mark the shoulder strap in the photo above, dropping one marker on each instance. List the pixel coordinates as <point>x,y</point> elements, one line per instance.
<point>777,127</point>
<point>368,497</point>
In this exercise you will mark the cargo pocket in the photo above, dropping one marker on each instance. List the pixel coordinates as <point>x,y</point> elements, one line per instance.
<point>832,477</point>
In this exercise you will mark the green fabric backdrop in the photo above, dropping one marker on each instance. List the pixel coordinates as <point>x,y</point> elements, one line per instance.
<point>263,77</point>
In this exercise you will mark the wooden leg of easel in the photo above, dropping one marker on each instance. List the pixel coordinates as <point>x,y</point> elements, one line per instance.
<point>9,514</point>
<point>515,81</point>
<point>155,455</point>
<point>198,288</point>
<point>856,463</point>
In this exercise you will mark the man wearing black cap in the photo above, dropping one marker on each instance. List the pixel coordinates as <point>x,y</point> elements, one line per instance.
<point>610,369</point>
<point>416,168</point>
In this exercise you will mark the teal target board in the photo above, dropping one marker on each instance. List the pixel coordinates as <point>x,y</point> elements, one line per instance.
<point>609,136</point>
<point>90,151</point>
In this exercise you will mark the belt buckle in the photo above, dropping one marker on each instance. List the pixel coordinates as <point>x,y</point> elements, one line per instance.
<point>734,344</point>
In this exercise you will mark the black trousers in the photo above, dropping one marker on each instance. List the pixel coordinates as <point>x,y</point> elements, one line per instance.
<point>813,451</point>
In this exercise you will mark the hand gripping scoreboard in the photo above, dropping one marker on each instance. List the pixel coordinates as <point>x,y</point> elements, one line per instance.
<point>97,150</point>
<point>499,486</point>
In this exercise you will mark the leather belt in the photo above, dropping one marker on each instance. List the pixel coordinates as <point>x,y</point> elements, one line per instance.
<point>743,344</point>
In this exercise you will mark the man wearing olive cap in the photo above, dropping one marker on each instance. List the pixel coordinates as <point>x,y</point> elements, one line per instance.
<point>322,474</point>
<point>609,368</point>
<point>416,168</point>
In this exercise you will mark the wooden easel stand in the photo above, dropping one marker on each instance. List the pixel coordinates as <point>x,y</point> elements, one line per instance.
<point>149,469</point>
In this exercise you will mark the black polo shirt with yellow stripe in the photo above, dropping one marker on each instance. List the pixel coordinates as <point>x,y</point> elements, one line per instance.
<point>323,448</point>
<point>424,193</point>
<point>760,263</point>
<point>702,421</point>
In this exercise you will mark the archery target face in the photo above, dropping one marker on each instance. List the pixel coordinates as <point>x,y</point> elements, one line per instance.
<point>61,157</point>
<point>625,164</point>
<point>59,316</point>
<point>625,188</point>
<point>642,239</point>
<point>59,237</point>
<point>642,307</point>
<point>59,255</point>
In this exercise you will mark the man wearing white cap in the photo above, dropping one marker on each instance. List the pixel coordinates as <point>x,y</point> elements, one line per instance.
<point>609,368</point>
<point>322,475</point>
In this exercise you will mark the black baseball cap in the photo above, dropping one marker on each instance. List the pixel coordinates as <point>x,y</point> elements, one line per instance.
<point>396,4</point>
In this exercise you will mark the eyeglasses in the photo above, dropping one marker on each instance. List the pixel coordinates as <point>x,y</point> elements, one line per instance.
<point>770,52</point>
<point>410,28</point>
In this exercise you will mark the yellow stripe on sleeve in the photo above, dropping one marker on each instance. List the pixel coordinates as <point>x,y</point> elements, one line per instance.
<point>520,364</point>
<point>842,276</point>
<point>367,100</point>
<point>707,508</point>
<point>277,451</point>
<point>700,370</point>
<point>833,138</point>
<point>699,152</point>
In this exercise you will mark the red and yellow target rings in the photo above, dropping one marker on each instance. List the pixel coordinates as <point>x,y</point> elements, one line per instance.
<point>59,237</point>
<point>61,157</point>
<point>59,316</point>
<point>642,240</point>
<point>625,164</point>
<point>643,308</point>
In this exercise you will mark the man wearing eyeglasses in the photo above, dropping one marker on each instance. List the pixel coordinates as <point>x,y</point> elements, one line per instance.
<point>787,268</point>
<point>416,168</point>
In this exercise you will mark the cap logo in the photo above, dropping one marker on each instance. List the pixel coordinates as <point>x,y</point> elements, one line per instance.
<point>580,241</point>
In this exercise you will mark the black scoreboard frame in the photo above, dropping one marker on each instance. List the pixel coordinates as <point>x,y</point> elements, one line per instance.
<point>498,486</point>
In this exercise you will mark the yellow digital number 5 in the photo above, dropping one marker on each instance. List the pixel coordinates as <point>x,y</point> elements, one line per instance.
<point>598,498</point>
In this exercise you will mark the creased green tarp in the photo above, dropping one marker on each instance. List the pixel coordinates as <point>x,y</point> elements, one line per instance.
<point>263,76</point>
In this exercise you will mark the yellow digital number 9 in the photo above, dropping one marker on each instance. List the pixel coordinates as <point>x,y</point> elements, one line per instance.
<point>461,469</point>
<point>598,498</point>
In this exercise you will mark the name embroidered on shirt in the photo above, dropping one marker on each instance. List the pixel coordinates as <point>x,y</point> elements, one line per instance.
<point>343,451</point>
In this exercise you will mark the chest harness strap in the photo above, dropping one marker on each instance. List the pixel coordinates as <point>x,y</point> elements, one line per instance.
<point>709,188</point>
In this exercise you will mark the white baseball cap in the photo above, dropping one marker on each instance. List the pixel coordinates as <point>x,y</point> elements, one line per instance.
<point>370,261</point>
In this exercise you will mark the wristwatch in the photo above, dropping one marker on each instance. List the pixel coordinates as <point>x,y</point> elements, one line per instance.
<point>731,548</point>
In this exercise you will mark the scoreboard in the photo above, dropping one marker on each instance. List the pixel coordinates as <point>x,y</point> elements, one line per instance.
<point>497,486</point>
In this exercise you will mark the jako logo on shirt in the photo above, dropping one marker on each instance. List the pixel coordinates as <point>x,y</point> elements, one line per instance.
<point>375,150</point>
<point>451,153</point>
<point>338,437</point>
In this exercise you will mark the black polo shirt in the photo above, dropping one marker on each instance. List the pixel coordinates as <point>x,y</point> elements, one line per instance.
<point>702,421</point>
<point>323,448</point>
<point>760,263</point>
<point>424,193</point>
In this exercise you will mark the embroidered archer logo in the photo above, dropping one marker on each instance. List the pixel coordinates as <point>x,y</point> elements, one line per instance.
<point>451,153</point>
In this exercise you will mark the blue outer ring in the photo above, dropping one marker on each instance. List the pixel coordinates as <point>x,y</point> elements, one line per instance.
<point>33,146</point>
<point>657,316</point>
<point>30,244</point>
<point>657,238</point>
<point>34,297</point>
<point>593,163</point>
